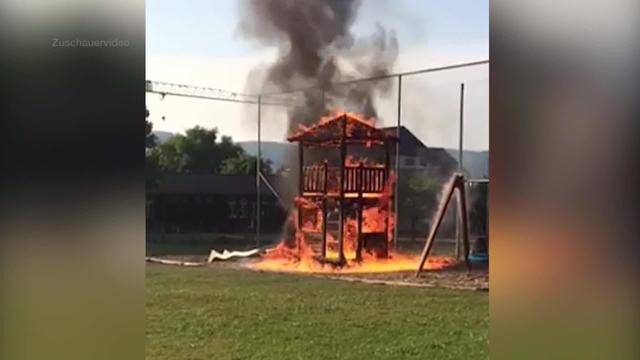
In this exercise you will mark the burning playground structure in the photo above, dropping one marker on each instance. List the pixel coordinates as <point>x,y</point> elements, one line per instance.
<point>345,189</point>
<point>343,217</point>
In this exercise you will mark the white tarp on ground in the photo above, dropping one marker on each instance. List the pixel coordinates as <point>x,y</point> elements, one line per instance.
<point>226,254</point>
<point>213,256</point>
<point>172,262</point>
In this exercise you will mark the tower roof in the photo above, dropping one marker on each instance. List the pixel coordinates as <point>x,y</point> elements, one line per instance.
<point>331,130</point>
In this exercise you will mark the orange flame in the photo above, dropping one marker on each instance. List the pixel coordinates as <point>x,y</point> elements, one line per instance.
<point>299,256</point>
<point>333,115</point>
<point>296,252</point>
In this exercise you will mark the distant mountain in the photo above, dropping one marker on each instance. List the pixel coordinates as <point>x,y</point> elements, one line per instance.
<point>475,162</point>
<point>162,136</point>
<point>272,150</point>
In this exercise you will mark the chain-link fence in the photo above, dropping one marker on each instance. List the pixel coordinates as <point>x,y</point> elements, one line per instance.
<point>436,114</point>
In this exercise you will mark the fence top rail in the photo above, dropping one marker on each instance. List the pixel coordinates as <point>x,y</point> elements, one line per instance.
<point>379,77</point>
<point>204,92</point>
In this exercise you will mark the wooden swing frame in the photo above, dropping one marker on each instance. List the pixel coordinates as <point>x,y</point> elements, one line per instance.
<point>457,183</point>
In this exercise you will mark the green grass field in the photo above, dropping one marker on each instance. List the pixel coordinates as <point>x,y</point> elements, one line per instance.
<point>223,313</point>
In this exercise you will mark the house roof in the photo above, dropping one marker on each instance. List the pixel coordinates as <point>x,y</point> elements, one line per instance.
<point>189,184</point>
<point>329,130</point>
<point>410,145</point>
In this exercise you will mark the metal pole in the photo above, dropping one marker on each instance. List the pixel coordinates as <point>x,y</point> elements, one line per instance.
<point>258,161</point>
<point>460,143</point>
<point>397,170</point>
<point>461,127</point>
<point>462,212</point>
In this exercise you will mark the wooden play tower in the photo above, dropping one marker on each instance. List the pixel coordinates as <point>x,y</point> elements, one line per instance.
<point>340,188</point>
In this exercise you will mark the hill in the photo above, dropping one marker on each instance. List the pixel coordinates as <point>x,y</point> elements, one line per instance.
<point>475,162</point>
<point>272,150</point>
<point>162,136</point>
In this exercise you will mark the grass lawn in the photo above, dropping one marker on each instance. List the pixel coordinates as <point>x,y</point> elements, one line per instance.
<point>222,313</point>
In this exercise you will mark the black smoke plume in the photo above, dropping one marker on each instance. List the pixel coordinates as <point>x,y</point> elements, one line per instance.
<point>316,46</point>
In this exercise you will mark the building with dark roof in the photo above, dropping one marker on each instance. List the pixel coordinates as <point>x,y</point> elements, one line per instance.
<point>184,203</point>
<point>415,155</point>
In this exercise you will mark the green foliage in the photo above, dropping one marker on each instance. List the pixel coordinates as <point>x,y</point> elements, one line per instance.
<point>150,138</point>
<point>244,164</point>
<point>196,152</point>
<point>419,192</point>
<point>423,182</point>
<point>203,151</point>
<point>153,174</point>
<point>224,313</point>
<point>152,167</point>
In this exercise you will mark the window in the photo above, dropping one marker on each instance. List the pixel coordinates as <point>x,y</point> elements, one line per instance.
<point>410,161</point>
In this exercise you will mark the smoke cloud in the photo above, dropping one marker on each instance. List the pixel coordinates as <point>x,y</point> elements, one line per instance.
<point>316,46</point>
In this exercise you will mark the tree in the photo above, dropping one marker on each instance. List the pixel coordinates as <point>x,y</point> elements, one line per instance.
<point>196,152</point>
<point>150,138</point>
<point>152,168</point>
<point>419,193</point>
<point>245,164</point>
<point>152,171</point>
<point>201,151</point>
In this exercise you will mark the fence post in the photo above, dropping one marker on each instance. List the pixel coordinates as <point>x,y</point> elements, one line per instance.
<point>460,149</point>
<point>258,162</point>
<point>396,206</point>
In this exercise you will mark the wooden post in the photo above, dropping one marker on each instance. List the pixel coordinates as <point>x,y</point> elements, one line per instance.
<point>324,210</point>
<point>396,204</point>
<point>258,161</point>
<point>343,155</point>
<point>300,182</point>
<point>392,195</point>
<point>440,215</point>
<point>359,185</point>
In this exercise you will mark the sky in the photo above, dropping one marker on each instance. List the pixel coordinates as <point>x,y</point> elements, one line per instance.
<point>196,42</point>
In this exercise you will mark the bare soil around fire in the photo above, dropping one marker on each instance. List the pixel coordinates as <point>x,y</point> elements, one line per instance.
<point>225,311</point>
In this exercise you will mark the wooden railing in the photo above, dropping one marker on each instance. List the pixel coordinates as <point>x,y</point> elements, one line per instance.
<point>357,179</point>
<point>314,178</point>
